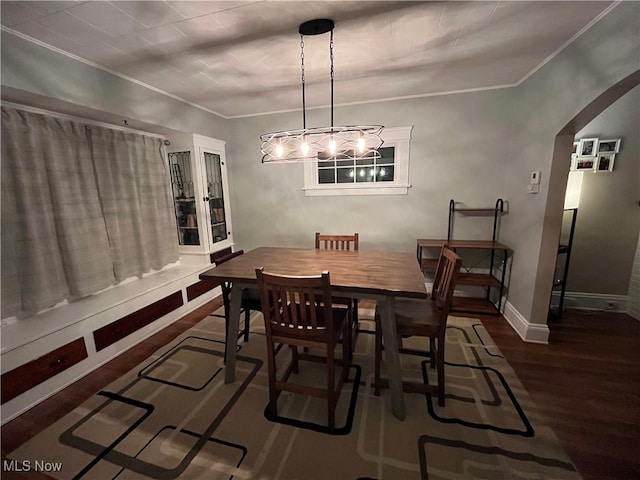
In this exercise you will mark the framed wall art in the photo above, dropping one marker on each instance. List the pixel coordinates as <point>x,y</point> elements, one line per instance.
<point>605,162</point>
<point>585,163</point>
<point>588,147</point>
<point>609,146</point>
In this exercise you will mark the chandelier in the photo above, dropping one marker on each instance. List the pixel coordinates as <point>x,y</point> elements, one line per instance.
<point>327,143</point>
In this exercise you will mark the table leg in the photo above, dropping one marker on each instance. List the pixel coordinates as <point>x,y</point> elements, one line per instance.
<point>392,357</point>
<point>232,333</point>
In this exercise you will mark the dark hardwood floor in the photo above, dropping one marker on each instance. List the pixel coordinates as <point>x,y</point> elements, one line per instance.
<point>586,382</point>
<point>29,424</point>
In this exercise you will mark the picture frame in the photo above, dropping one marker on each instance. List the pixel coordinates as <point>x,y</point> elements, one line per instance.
<point>588,147</point>
<point>574,152</point>
<point>605,162</point>
<point>585,163</point>
<point>609,146</point>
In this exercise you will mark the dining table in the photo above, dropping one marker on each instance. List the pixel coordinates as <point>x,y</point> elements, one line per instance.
<point>382,276</point>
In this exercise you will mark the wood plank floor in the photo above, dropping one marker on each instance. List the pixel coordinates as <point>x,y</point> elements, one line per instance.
<point>586,382</point>
<point>32,422</point>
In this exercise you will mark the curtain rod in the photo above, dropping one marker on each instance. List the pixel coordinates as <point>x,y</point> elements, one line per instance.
<point>80,119</point>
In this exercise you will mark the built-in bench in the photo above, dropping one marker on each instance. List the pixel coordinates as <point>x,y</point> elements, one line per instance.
<point>43,354</point>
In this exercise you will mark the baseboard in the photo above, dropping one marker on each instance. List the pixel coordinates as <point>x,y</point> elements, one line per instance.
<point>592,301</point>
<point>529,332</point>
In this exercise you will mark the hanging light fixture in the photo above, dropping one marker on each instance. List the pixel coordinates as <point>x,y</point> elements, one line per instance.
<point>333,142</point>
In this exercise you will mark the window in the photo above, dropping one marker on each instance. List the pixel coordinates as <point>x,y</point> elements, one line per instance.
<point>387,175</point>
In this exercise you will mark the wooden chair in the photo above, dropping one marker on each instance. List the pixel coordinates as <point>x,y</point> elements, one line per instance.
<point>250,300</point>
<point>425,318</point>
<point>298,312</point>
<point>337,242</point>
<point>342,242</point>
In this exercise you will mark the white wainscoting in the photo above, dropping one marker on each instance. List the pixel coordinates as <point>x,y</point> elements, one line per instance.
<point>25,340</point>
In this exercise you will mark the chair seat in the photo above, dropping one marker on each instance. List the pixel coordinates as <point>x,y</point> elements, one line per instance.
<point>415,316</point>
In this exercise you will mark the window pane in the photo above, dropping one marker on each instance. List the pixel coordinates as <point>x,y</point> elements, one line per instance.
<point>387,154</point>
<point>327,176</point>
<point>364,161</point>
<point>345,163</point>
<point>345,175</point>
<point>385,174</point>
<point>326,163</point>
<point>364,174</point>
<point>339,170</point>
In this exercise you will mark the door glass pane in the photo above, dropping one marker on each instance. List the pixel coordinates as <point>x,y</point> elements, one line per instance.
<point>216,197</point>
<point>184,197</point>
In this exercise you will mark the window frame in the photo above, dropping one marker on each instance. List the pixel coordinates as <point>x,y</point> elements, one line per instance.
<point>397,137</point>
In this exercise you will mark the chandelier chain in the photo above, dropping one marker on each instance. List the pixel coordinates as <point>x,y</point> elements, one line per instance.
<point>340,143</point>
<point>331,58</point>
<point>304,115</point>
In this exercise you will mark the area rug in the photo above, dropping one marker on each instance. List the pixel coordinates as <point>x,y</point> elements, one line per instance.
<point>173,417</point>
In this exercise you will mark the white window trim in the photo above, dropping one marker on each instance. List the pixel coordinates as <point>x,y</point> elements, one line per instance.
<point>398,137</point>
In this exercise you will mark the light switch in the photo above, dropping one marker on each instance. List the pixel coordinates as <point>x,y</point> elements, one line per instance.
<point>535,177</point>
<point>533,188</point>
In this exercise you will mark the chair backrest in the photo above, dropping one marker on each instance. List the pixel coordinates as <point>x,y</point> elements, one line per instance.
<point>226,286</point>
<point>446,276</point>
<point>337,242</point>
<point>295,306</point>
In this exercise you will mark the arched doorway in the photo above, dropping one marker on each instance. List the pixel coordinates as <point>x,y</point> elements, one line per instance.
<point>557,187</point>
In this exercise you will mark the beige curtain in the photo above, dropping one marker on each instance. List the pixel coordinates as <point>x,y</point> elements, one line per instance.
<point>82,209</point>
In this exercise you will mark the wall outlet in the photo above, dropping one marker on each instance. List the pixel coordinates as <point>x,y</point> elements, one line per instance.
<point>611,306</point>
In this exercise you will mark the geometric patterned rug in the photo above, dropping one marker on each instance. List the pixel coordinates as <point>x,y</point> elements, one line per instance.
<point>173,417</point>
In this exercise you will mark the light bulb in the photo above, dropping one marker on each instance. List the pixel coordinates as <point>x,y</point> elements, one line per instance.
<point>362,172</point>
<point>332,146</point>
<point>351,173</point>
<point>279,150</point>
<point>361,144</point>
<point>373,172</point>
<point>383,172</point>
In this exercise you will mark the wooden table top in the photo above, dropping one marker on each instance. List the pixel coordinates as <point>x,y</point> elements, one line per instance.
<point>362,271</point>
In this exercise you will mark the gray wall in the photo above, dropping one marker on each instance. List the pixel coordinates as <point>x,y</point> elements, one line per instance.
<point>608,218</point>
<point>60,82</point>
<point>459,150</point>
<point>473,147</point>
<point>547,101</point>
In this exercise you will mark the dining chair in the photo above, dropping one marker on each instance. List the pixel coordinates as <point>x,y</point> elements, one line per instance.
<point>298,312</point>
<point>343,242</point>
<point>337,242</point>
<point>424,318</point>
<point>250,300</point>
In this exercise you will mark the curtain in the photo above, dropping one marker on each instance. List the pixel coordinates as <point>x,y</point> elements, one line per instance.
<point>135,191</point>
<point>82,209</point>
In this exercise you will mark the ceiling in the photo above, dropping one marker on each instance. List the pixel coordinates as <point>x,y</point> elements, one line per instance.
<point>241,58</point>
